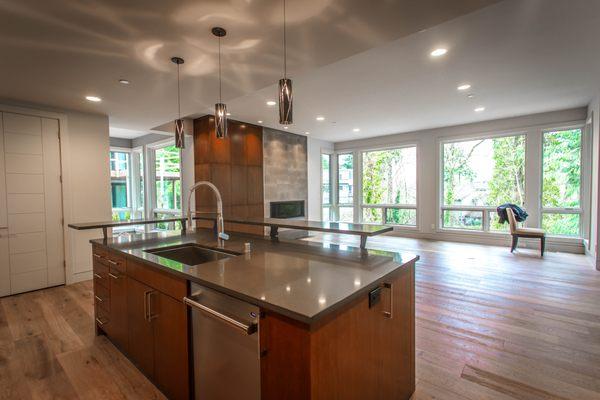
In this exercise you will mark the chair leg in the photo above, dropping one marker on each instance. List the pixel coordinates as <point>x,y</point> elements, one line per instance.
<point>515,241</point>
<point>542,245</point>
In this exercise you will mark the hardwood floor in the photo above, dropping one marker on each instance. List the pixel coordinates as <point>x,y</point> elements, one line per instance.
<point>490,325</point>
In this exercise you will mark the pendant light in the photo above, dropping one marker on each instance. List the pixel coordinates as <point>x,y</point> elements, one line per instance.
<point>179,125</point>
<point>285,85</point>
<point>220,108</point>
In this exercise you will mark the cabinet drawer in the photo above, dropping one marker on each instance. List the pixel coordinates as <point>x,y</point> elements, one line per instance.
<point>100,274</point>
<point>102,318</point>
<point>102,297</point>
<point>161,281</point>
<point>115,262</point>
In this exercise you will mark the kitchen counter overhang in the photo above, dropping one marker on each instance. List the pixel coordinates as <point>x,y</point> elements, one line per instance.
<point>302,280</point>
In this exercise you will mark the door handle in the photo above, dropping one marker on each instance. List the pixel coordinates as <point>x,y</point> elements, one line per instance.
<point>247,329</point>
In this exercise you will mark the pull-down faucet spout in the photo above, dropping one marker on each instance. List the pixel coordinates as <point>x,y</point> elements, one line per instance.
<point>221,235</point>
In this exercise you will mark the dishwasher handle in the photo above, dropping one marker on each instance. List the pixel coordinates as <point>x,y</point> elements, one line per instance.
<point>247,329</point>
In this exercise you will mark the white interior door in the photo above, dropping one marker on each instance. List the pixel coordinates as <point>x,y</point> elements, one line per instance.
<point>32,203</point>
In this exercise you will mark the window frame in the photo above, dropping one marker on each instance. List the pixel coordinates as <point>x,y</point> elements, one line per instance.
<point>332,201</point>
<point>385,207</point>
<point>485,210</point>
<point>152,210</point>
<point>581,210</point>
<point>533,179</point>
<point>128,181</point>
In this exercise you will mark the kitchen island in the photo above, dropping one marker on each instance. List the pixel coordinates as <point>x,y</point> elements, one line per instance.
<point>331,322</point>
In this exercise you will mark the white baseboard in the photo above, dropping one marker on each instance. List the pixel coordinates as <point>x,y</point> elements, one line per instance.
<point>80,277</point>
<point>566,245</point>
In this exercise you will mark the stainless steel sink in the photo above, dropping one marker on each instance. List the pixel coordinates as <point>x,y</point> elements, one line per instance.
<point>192,254</point>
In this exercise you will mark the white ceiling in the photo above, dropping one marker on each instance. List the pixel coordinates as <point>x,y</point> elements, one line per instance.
<point>520,56</point>
<point>55,52</point>
<point>359,63</point>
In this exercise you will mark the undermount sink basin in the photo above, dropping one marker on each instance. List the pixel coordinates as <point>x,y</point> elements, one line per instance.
<point>191,254</point>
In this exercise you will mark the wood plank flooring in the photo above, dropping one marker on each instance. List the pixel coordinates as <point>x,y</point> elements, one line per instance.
<point>490,325</point>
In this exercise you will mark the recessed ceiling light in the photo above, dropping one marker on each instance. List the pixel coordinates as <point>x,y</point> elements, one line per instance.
<point>480,109</point>
<point>471,96</point>
<point>319,118</point>
<point>228,114</point>
<point>356,130</point>
<point>285,127</point>
<point>271,103</point>
<point>260,122</point>
<point>95,99</point>
<point>464,86</point>
<point>438,52</point>
<point>124,81</point>
<point>307,133</point>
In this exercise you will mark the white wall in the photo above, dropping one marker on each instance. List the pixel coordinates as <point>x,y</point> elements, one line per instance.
<point>88,188</point>
<point>594,113</point>
<point>315,148</point>
<point>427,142</point>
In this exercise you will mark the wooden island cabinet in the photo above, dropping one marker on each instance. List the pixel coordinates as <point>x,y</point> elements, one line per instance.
<point>359,352</point>
<point>361,348</point>
<point>141,311</point>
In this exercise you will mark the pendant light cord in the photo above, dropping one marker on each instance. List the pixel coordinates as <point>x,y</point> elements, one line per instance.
<point>284,45</point>
<point>178,94</point>
<point>220,100</point>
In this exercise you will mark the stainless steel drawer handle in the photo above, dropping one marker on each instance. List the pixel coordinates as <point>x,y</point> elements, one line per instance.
<point>247,329</point>
<point>99,299</point>
<point>96,255</point>
<point>100,322</point>
<point>97,276</point>
<point>389,314</point>
<point>112,262</point>
<point>113,275</point>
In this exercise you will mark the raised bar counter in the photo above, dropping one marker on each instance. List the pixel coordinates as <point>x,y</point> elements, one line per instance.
<point>348,228</point>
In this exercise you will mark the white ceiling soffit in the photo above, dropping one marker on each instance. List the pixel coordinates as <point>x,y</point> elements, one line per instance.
<point>123,133</point>
<point>520,56</point>
<point>56,52</point>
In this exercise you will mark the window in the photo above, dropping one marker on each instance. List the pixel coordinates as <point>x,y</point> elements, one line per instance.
<point>127,185</point>
<point>389,186</point>
<point>345,187</point>
<point>561,182</point>
<point>326,195</point>
<point>479,175</point>
<point>167,183</point>
<point>119,184</point>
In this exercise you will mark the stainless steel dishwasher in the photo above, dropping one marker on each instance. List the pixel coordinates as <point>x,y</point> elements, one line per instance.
<point>225,345</point>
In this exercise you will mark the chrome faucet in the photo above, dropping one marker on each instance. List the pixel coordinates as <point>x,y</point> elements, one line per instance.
<point>221,235</point>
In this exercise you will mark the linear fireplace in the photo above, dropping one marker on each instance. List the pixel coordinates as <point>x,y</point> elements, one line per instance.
<point>287,209</point>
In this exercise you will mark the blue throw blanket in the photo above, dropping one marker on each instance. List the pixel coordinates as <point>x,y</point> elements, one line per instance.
<point>520,214</point>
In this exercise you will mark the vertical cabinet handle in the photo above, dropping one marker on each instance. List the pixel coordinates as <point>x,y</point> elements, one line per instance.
<point>390,313</point>
<point>151,316</point>
<point>148,305</point>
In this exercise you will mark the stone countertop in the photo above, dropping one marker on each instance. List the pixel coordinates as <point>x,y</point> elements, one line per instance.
<point>299,279</point>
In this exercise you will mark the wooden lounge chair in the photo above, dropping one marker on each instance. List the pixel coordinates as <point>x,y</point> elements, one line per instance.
<point>518,232</point>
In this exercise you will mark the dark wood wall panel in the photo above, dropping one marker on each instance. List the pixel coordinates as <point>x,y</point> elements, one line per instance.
<point>235,166</point>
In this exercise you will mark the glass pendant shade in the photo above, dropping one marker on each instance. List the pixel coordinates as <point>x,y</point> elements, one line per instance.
<point>285,101</point>
<point>179,134</point>
<point>221,120</point>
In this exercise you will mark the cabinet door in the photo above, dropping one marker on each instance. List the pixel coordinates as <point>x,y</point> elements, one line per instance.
<point>141,335</point>
<point>171,364</point>
<point>118,309</point>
